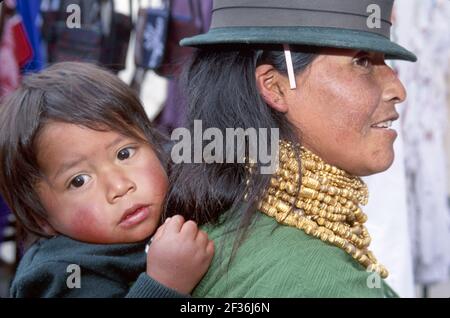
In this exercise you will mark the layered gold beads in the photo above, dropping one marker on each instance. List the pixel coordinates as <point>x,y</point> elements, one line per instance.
<point>326,205</point>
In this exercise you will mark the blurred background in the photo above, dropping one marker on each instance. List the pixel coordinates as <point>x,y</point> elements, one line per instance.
<point>409,205</point>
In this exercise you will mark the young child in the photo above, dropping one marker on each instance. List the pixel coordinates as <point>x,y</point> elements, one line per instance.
<point>80,166</point>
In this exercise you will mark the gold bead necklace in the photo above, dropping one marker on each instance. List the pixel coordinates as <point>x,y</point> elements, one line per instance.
<point>327,205</point>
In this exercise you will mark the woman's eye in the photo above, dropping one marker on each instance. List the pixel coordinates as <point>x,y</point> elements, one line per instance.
<point>79,181</point>
<point>125,153</point>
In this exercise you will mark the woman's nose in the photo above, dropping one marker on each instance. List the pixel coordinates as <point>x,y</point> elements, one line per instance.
<point>394,91</point>
<point>118,185</point>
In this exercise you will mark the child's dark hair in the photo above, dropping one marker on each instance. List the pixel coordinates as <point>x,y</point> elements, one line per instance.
<point>75,93</point>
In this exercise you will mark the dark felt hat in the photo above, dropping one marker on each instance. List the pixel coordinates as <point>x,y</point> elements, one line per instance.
<point>352,24</point>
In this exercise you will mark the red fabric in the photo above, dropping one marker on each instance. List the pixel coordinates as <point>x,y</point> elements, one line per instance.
<point>10,69</point>
<point>23,50</point>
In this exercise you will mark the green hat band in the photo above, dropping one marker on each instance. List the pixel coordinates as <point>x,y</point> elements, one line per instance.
<point>344,14</point>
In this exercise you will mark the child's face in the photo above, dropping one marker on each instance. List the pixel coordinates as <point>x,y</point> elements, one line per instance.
<point>101,187</point>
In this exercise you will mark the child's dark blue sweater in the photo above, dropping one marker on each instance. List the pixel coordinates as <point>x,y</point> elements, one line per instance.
<point>113,270</point>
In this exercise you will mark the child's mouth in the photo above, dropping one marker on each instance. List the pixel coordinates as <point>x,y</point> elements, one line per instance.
<point>135,215</point>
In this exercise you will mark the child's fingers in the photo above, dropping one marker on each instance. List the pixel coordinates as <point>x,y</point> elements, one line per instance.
<point>174,224</point>
<point>202,238</point>
<point>160,231</point>
<point>189,230</point>
<point>210,248</point>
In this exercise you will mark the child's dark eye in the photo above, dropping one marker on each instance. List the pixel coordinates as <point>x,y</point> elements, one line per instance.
<point>125,153</point>
<point>79,181</point>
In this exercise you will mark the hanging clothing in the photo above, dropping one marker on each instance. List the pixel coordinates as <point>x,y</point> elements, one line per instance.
<point>9,70</point>
<point>423,26</point>
<point>29,11</point>
<point>174,111</point>
<point>4,213</point>
<point>9,80</point>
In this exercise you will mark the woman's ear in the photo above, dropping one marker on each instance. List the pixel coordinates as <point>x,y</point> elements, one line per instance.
<point>273,87</point>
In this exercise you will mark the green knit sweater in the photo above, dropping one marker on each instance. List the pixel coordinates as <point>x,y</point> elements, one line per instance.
<point>281,261</point>
<point>114,270</point>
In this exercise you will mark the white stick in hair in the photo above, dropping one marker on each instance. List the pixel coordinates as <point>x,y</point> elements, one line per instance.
<point>290,66</point>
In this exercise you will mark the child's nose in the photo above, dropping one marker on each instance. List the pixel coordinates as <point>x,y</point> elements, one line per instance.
<point>118,185</point>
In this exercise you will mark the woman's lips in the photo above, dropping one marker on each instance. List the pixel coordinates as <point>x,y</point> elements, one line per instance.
<point>387,132</point>
<point>135,216</point>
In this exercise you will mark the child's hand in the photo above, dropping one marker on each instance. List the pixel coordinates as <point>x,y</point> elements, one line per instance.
<point>179,254</point>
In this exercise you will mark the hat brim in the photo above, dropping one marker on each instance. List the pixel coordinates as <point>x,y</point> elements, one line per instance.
<point>313,36</point>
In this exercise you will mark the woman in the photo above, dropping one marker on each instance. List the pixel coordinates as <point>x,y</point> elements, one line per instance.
<point>316,71</point>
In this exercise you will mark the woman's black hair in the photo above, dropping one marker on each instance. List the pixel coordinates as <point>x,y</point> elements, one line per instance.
<point>222,93</point>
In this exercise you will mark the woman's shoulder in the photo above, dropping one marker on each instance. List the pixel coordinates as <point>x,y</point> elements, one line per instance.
<point>281,261</point>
